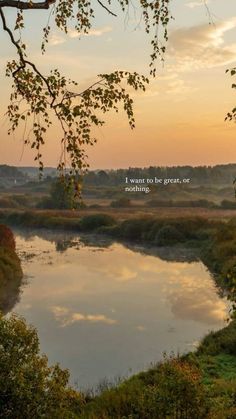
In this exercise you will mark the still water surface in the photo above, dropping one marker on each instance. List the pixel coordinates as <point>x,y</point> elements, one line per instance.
<point>105,310</point>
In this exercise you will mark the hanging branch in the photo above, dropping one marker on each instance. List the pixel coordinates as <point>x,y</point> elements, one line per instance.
<point>37,98</point>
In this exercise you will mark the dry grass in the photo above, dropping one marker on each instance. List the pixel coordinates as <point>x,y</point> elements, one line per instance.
<point>136,212</point>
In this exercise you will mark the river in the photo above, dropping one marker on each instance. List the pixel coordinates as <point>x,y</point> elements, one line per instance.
<point>106,310</point>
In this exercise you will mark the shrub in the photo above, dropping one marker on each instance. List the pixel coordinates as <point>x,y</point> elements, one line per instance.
<point>172,390</point>
<point>168,235</point>
<point>93,222</point>
<point>10,279</point>
<point>222,341</point>
<point>134,229</point>
<point>29,388</point>
<point>45,203</point>
<point>6,202</point>
<point>228,204</point>
<point>159,203</point>
<point>22,200</point>
<point>121,203</point>
<point>6,237</point>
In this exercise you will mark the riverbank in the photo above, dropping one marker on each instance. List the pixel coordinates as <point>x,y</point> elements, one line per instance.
<point>214,237</point>
<point>10,271</point>
<point>197,385</point>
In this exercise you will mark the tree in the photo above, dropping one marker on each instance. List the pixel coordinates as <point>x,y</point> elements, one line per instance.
<point>61,197</point>
<point>28,386</point>
<point>37,98</point>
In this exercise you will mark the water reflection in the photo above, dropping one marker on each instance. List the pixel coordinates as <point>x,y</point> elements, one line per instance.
<point>102,308</point>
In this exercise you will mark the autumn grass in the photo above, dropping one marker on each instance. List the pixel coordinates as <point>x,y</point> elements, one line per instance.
<point>197,385</point>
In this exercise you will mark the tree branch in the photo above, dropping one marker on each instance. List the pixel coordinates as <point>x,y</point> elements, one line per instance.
<point>22,5</point>
<point>23,61</point>
<point>106,8</point>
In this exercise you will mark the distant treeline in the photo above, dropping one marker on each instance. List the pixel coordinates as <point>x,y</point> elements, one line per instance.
<point>201,175</point>
<point>11,172</point>
<point>219,174</point>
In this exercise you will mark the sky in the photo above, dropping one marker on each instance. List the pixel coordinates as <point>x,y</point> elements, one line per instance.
<point>179,119</point>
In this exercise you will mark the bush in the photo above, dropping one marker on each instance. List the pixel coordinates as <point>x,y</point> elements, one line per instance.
<point>93,222</point>
<point>23,200</point>
<point>201,203</point>
<point>168,235</point>
<point>29,388</point>
<point>45,203</point>
<point>134,229</point>
<point>121,203</point>
<point>172,390</point>
<point>228,204</point>
<point>10,279</point>
<point>159,203</point>
<point>6,237</point>
<point>222,341</point>
<point>6,202</point>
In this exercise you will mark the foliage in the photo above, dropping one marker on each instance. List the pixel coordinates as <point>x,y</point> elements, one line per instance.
<point>15,201</point>
<point>6,237</point>
<point>12,172</point>
<point>172,389</point>
<point>10,279</point>
<point>93,222</point>
<point>232,115</point>
<point>6,202</point>
<point>194,203</point>
<point>206,176</point>
<point>222,341</point>
<point>121,203</point>
<point>37,98</point>
<point>61,197</point>
<point>168,235</point>
<point>28,386</point>
<point>228,204</point>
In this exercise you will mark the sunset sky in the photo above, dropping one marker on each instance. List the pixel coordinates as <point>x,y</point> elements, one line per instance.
<point>180,118</point>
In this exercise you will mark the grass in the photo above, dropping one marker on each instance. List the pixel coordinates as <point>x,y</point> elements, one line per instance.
<point>197,385</point>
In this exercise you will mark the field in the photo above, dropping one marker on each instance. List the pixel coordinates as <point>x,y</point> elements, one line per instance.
<point>140,212</point>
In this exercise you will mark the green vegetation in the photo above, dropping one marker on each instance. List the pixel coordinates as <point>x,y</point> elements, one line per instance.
<point>223,341</point>
<point>215,239</point>
<point>7,239</point>
<point>173,389</point>
<point>201,203</point>
<point>29,388</point>
<point>209,187</point>
<point>121,203</point>
<point>196,385</point>
<point>10,279</point>
<point>61,197</point>
<point>10,270</point>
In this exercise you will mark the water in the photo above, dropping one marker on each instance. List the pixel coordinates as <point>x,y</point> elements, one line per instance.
<point>105,310</point>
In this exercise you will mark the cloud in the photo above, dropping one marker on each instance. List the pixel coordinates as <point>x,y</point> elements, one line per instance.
<point>197,302</point>
<point>208,310</point>
<point>67,317</point>
<point>202,46</point>
<point>170,84</point>
<point>57,39</point>
<point>193,4</point>
<point>92,32</point>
